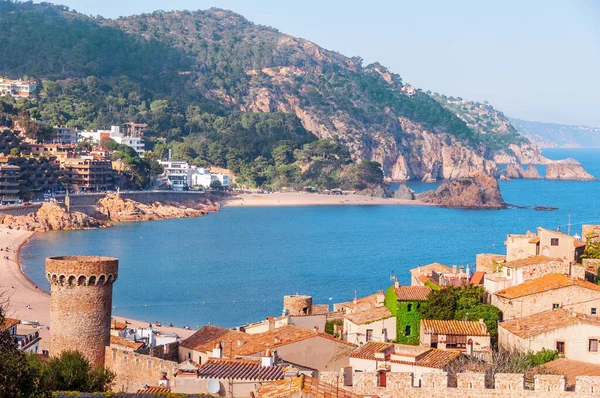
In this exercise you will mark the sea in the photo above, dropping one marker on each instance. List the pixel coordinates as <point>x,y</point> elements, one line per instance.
<point>234,267</point>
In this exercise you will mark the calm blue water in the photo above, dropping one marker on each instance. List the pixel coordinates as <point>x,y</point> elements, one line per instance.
<point>234,266</point>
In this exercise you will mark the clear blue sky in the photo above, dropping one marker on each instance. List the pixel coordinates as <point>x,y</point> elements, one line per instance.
<point>534,59</point>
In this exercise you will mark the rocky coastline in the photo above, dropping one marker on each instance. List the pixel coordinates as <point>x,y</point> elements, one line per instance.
<point>111,208</point>
<point>479,191</point>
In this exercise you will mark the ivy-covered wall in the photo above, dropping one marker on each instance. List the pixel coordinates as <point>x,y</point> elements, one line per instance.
<point>408,314</point>
<point>391,300</point>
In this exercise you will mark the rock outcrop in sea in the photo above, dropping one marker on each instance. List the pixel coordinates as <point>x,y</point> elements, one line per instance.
<point>50,217</point>
<point>515,170</point>
<point>479,191</point>
<point>567,171</point>
<point>404,192</point>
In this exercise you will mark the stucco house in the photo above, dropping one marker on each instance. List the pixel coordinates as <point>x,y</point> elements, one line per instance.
<point>515,272</point>
<point>572,334</point>
<point>471,337</point>
<point>26,337</point>
<point>375,324</point>
<point>388,357</point>
<point>306,348</point>
<point>546,293</point>
<point>545,242</point>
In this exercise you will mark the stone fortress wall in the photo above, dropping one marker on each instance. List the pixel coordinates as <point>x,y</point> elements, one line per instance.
<point>469,385</point>
<point>81,304</point>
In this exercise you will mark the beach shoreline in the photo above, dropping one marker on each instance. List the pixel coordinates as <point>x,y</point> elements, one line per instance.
<point>313,199</point>
<point>27,302</point>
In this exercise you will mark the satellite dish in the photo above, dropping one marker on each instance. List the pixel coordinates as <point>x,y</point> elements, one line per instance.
<point>213,386</point>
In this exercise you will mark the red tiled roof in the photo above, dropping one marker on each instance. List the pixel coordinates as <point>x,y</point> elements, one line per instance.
<point>543,322</point>
<point>429,268</point>
<point>543,284</point>
<point>123,342</point>
<point>239,370</point>
<point>369,350</point>
<point>571,369</point>
<point>578,243</point>
<point>478,277</point>
<point>454,328</point>
<point>9,323</point>
<point>412,292</point>
<point>368,316</point>
<point>436,359</point>
<point>311,387</point>
<point>526,262</point>
<point>362,303</point>
<point>115,325</point>
<point>154,390</point>
<point>204,339</point>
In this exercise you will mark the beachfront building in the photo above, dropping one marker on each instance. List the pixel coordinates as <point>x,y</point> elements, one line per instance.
<point>9,181</point>
<point>548,292</point>
<point>471,337</point>
<point>548,243</point>
<point>87,174</point>
<point>177,174</point>
<point>574,335</point>
<point>306,348</point>
<point>387,358</point>
<point>17,88</point>
<point>26,337</point>
<point>135,142</point>
<point>201,177</point>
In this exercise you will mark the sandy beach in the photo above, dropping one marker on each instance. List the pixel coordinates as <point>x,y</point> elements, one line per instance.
<point>314,199</point>
<point>21,292</point>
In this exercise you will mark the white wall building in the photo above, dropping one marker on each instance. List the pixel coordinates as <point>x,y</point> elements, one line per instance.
<point>201,177</point>
<point>178,174</point>
<point>137,142</point>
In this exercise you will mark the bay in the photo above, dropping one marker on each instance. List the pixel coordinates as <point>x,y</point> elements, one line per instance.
<point>234,266</point>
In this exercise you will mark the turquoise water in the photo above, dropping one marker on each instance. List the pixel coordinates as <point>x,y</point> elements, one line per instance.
<point>234,266</point>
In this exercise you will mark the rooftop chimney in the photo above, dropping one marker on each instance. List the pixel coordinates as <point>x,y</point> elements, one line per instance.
<point>218,351</point>
<point>380,298</point>
<point>397,283</point>
<point>268,360</point>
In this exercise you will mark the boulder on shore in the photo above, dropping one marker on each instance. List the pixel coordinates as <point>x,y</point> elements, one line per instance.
<point>477,192</point>
<point>404,192</point>
<point>567,172</point>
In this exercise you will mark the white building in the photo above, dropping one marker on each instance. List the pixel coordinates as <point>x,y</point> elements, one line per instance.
<point>26,337</point>
<point>137,142</point>
<point>203,178</point>
<point>178,174</point>
<point>65,135</point>
<point>16,88</point>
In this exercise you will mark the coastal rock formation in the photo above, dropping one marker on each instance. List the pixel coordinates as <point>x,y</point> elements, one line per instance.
<point>50,217</point>
<point>404,192</point>
<point>515,170</point>
<point>477,192</point>
<point>115,208</point>
<point>567,171</point>
<point>532,173</point>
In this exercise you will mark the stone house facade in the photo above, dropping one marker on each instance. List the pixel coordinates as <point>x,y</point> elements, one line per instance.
<point>471,337</point>
<point>572,334</point>
<point>515,272</point>
<point>546,242</point>
<point>546,293</point>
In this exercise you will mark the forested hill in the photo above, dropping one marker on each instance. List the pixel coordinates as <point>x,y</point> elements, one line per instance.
<point>553,135</point>
<point>212,77</point>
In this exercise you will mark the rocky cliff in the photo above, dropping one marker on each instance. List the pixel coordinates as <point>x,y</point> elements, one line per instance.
<point>567,171</point>
<point>50,217</point>
<point>515,170</point>
<point>476,192</point>
<point>115,208</point>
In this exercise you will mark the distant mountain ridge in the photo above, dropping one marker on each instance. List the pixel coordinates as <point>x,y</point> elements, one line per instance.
<point>169,69</point>
<point>553,135</point>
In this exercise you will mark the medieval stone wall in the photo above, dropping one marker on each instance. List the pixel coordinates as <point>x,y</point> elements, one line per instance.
<point>469,385</point>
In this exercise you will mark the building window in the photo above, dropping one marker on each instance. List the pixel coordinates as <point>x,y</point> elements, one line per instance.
<point>593,345</point>
<point>409,308</point>
<point>369,334</point>
<point>407,331</point>
<point>593,311</point>
<point>555,306</point>
<point>382,379</point>
<point>554,242</point>
<point>560,347</point>
<point>189,355</point>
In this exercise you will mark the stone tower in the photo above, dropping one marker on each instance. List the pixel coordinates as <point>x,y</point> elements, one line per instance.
<point>297,304</point>
<point>80,304</point>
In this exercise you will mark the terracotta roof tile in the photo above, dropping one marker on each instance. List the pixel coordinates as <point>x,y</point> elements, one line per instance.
<point>204,339</point>
<point>412,292</point>
<point>362,303</point>
<point>9,323</point>
<point>239,370</point>
<point>478,277</point>
<point>455,328</point>
<point>429,268</point>
<point>435,358</point>
<point>115,325</point>
<point>309,386</point>
<point>526,262</point>
<point>571,369</point>
<point>123,342</point>
<point>543,322</point>
<point>543,284</point>
<point>578,243</point>
<point>369,350</point>
<point>368,316</point>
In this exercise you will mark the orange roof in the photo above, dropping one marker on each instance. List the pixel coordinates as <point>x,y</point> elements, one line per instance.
<point>239,344</point>
<point>543,284</point>
<point>362,303</point>
<point>526,262</point>
<point>369,350</point>
<point>9,323</point>
<point>310,386</point>
<point>578,243</point>
<point>543,322</point>
<point>155,390</point>
<point>478,277</point>
<point>454,328</point>
<point>115,325</point>
<point>571,369</point>
<point>123,342</point>
<point>412,292</point>
<point>434,358</point>
<point>429,268</point>
<point>368,316</point>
